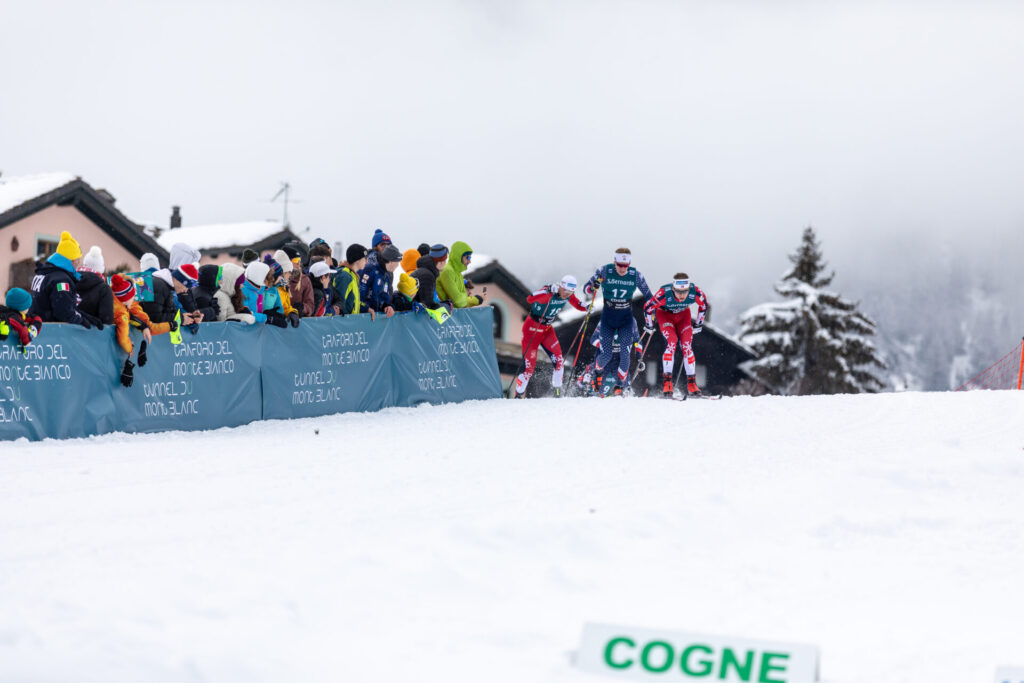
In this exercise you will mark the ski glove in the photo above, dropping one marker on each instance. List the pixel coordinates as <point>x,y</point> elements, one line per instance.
<point>697,328</point>
<point>276,320</point>
<point>481,298</point>
<point>173,326</point>
<point>293,318</point>
<point>142,353</point>
<point>126,374</point>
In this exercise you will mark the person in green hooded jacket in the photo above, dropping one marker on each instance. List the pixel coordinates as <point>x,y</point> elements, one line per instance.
<point>450,284</point>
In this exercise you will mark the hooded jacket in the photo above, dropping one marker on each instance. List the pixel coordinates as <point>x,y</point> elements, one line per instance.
<point>230,272</point>
<point>55,291</point>
<point>95,297</point>
<point>162,308</point>
<point>426,275</point>
<point>204,292</point>
<point>450,283</point>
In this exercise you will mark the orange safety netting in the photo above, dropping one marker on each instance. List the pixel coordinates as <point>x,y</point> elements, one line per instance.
<point>1007,373</point>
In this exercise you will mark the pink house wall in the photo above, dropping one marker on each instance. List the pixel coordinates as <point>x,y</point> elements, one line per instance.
<point>50,222</point>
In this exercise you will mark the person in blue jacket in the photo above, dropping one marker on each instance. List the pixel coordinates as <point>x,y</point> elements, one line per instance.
<point>55,287</point>
<point>376,282</point>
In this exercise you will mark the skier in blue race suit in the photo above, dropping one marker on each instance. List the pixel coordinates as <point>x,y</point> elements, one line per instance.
<point>617,281</point>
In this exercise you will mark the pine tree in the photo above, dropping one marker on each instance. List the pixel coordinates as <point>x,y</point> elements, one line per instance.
<point>815,342</point>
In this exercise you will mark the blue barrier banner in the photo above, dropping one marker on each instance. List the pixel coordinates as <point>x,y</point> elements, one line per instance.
<point>325,366</point>
<point>60,386</point>
<point>210,380</point>
<point>445,363</point>
<point>67,383</point>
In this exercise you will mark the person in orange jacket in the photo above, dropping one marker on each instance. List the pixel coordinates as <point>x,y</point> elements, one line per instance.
<point>127,314</point>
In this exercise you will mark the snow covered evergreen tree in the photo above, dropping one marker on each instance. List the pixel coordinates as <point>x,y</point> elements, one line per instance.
<point>815,342</point>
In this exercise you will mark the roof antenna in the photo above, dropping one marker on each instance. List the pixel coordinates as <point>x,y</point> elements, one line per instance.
<point>285,190</point>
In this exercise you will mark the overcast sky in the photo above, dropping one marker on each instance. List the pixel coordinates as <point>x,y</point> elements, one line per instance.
<point>704,135</point>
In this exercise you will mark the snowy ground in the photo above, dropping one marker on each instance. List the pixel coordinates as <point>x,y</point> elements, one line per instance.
<point>471,542</point>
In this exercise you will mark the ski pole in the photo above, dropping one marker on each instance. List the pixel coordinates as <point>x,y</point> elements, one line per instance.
<point>582,336</point>
<point>640,364</point>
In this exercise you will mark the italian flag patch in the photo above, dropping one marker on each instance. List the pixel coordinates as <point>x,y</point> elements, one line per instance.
<point>63,287</point>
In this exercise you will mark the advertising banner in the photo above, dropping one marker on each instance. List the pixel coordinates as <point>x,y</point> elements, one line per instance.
<point>67,382</point>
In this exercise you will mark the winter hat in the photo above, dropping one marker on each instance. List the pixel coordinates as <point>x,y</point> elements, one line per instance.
<point>68,247</point>
<point>438,251</point>
<point>284,261</point>
<point>19,299</point>
<point>317,242</point>
<point>379,237</point>
<point>409,259</point>
<point>231,273</point>
<point>568,282</point>
<point>390,254</point>
<point>319,269</point>
<point>354,253</point>
<point>149,262</point>
<point>181,254</point>
<point>124,288</point>
<point>256,272</point>
<point>93,261</point>
<point>424,249</point>
<point>273,265</point>
<point>190,271</point>
<point>248,256</point>
<point>407,285</point>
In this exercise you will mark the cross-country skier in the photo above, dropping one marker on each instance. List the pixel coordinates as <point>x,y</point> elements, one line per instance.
<point>670,306</point>
<point>585,383</point>
<point>617,281</point>
<point>545,305</point>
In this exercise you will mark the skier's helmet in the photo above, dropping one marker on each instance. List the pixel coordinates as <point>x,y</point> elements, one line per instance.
<point>568,283</point>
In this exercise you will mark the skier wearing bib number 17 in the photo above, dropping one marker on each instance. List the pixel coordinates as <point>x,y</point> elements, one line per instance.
<point>545,305</point>
<point>671,307</point>
<point>617,281</point>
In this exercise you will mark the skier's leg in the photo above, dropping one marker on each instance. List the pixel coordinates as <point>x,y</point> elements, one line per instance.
<point>550,345</point>
<point>626,340</point>
<point>606,348</point>
<point>531,340</point>
<point>668,331</point>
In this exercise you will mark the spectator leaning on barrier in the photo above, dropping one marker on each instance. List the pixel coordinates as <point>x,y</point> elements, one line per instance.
<point>205,292</point>
<point>127,314</point>
<point>321,274</point>
<point>376,283</point>
<point>185,275</point>
<point>283,291</point>
<point>94,295</point>
<point>255,295</point>
<point>225,295</point>
<point>450,284</point>
<point>426,274</point>
<point>407,286</point>
<point>273,303</point>
<point>345,282</point>
<point>14,317</point>
<point>162,308</point>
<point>300,287</point>
<point>55,287</point>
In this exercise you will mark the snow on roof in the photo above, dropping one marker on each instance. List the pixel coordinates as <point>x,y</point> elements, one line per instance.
<point>220,235</point>
<point>478,261</point>
<point>17,190</point>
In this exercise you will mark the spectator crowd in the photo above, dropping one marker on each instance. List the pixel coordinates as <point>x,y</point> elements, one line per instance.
<point>280,288</point>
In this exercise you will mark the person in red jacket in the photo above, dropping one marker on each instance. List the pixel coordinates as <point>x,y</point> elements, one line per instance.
<point>545,305</point>
<point>670,305</point>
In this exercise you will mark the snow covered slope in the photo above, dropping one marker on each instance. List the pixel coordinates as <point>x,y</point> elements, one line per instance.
<point>471,542</point>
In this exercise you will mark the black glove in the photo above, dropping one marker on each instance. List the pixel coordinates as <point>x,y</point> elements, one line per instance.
<point>481,297</point>
<point>293,318</point>
<point>697,327</point>
<point>277,320</point>
<point>142,353</point>
<point>93,321</point>
<point>174,326</point>
<point>126,374</point>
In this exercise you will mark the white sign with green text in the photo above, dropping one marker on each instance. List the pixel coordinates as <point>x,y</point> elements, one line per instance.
<point>645,654</point>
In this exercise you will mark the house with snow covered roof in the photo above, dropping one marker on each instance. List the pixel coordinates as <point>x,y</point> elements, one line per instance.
<point>223,242</point>
<point>35,209</point>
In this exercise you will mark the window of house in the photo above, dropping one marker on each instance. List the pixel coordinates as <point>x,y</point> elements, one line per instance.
<point>499,323</point>
<point>46,246</point>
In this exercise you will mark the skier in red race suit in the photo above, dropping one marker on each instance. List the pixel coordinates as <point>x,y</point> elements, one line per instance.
<point>545,305</point>
<point>671,306</point>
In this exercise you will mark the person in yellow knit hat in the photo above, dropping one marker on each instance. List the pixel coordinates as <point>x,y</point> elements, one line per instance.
<point>55,286</point>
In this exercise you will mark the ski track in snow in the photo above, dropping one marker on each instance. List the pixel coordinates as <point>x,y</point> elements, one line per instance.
<point>471,542</point>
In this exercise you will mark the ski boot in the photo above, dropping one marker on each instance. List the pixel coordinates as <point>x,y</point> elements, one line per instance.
<point>691,386</point>
<point>617,391</point>
<point>597,386</point>
<point>558,392</point>
<point>666,385</point>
